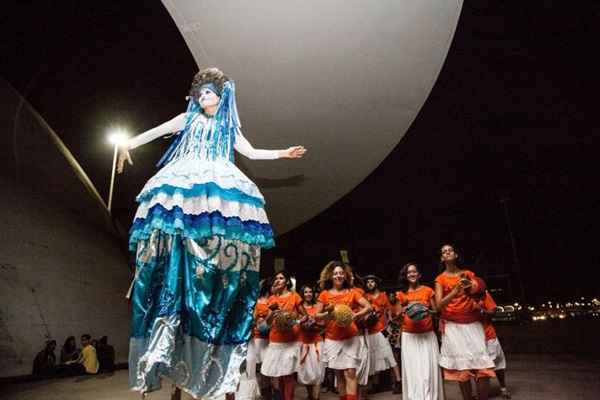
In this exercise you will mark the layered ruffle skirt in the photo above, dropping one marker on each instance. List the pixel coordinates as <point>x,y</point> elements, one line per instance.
<point>197,233</point>
<point>464,354</point>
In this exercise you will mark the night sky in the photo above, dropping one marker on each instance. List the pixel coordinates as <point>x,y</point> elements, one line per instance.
<point>513,115</point>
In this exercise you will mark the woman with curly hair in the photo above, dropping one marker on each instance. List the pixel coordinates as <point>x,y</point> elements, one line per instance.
<point>343,350</point>
<point>421,375</point>
<point>198,232</point>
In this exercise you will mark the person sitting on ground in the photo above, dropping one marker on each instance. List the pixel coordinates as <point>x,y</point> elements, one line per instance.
<point>69,351</point>
<point>88,360</point>
<point>106,355</point>
<point>45,362</point>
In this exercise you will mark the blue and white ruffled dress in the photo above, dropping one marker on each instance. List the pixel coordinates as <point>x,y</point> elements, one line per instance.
<point>197,233</point>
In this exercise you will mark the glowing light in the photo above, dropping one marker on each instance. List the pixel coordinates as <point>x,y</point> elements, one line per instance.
<point>117,136</point>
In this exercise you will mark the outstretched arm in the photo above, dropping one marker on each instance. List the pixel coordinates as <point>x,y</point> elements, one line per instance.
<point>243,146</point>
<point>174,125</point>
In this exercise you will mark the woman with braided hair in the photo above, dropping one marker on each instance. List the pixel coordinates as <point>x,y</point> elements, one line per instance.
<point>197,233</point>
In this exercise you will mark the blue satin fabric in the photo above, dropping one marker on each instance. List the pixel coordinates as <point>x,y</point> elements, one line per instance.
<point>192,307</point>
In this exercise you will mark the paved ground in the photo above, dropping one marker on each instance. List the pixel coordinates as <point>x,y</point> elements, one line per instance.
<point>530,377</point>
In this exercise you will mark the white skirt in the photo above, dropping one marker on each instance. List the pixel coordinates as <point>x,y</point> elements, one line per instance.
<point>463,347</point>
<point>310,368</point>
<point>247,389</point>
<point>380,351</point>
<point>256,350</point>
<point>281,359</point>
<point>496,353</point>
<point>342,354</point>
<point>259,347</point>
<point>421,374</point>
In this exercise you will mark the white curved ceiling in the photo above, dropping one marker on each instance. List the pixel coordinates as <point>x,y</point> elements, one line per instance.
<point>345,78</point>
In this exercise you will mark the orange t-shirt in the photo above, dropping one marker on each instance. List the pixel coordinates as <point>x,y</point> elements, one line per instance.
<point>261,310</point>
<point>488,304</point>
<point>381,304</point>
<point>349,297</point>
<point>461,308</point>
<point>312,335</point>
<point>288,302</point>
<point>423,295</point>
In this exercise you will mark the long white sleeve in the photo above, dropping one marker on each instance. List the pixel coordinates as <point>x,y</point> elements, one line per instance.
<point>172,126</point>
<point>244,147</point>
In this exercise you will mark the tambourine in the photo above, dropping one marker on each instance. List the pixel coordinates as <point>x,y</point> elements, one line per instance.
<point>284,321</point>
<point>417,311</point>
<point>342,315</point>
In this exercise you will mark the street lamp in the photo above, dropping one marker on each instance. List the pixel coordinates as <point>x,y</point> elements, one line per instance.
<point>115,137</point>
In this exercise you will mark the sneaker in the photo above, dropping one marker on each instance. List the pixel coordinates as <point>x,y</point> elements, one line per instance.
<point>505,393</point>
<point>397,388</point>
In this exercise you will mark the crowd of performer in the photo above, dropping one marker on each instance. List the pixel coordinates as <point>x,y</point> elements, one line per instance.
<point>346,324</point>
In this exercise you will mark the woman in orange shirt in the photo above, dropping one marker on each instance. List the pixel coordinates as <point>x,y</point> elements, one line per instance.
<point>260,337</point>
<point>421,375</point>
<point>283,352</point>
<point>463,355</point>
<point>343,351</point>
<point>310,370</point>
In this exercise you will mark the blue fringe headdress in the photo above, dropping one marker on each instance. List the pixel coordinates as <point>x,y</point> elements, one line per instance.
<point>228,121</point>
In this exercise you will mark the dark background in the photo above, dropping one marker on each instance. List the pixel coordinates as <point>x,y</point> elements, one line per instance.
<point>513,115</point>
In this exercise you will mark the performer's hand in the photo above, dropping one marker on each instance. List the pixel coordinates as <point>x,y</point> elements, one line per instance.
<point>123,156</point>
<point>293,152</point>
<point>465,283</point>
<point>457,290</point>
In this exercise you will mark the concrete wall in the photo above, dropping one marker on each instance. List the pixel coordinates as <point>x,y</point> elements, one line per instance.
<point>62,272</point>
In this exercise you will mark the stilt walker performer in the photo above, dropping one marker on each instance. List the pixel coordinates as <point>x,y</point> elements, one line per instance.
<point>197,233</point>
